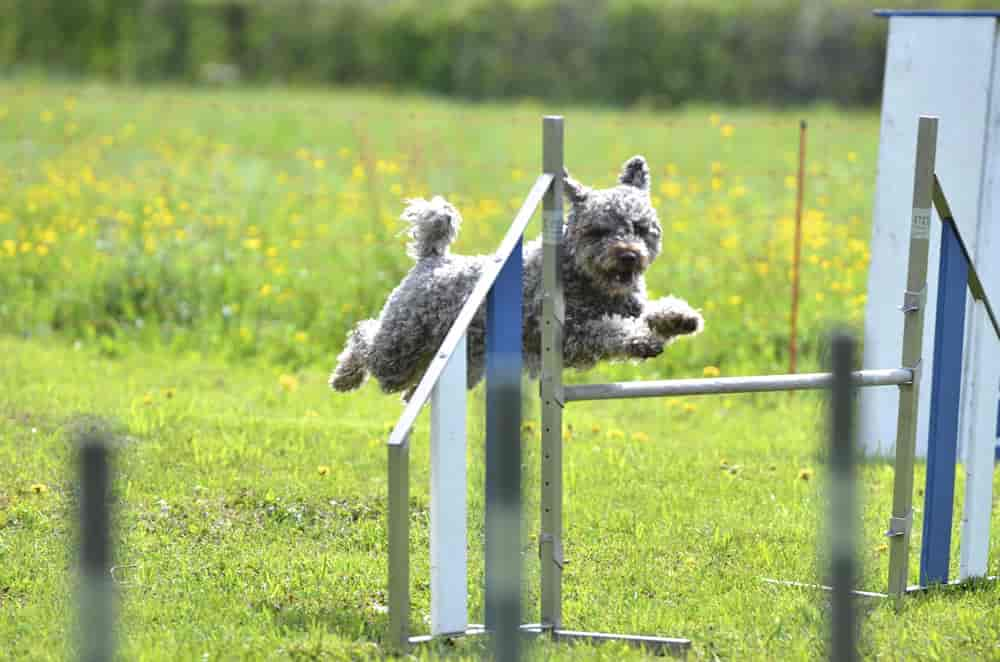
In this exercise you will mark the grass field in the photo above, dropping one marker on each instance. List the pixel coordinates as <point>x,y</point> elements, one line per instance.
<point>186,263</point>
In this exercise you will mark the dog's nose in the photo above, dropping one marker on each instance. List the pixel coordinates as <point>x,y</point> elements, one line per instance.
<point>629,258</point>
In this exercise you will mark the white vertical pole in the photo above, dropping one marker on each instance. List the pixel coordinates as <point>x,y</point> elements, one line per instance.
<point>449,587</point>
<point>980,428</point>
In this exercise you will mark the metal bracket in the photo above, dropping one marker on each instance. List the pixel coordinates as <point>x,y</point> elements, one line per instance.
<point>900,526</point>
<point>557,554</point>
<point>916,369</point>
<point>914,301</point>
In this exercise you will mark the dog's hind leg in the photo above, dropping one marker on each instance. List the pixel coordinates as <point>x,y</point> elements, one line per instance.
<point>352,364</point>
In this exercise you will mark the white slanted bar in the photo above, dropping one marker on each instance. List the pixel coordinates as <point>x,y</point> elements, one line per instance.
<point>979,454</point>
<point>449,556</point>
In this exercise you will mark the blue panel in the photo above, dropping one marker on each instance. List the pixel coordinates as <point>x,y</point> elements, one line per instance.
<point>942,442</point>
<point>503,413</point>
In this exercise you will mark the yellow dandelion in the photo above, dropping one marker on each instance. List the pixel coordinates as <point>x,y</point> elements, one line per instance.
<point>245,333</point>
<point>10,247</point>
<point>791,182</point>
<point>265,289</point>
<point>396,189</point>
<point>641,437</point>
<point>616,434</point>
<point>301,336</point>
<point>26,246</point>
<point>716,167</point>
<point>319,164</point>
<point>711,371</point>
<point>39,488</point>
<point>882,548</point>
<point>147,399</point>
<point>762,268</point>
<point>42,250</point>
<point>323,470</point>
<point>252,243</point>
<point>46,116</point>
<point>852,156</point>
<point>716,183</point>
<point>517,174</point>
<point>805,474</point>
<point>288,382</point>
<point>735,300</point>
<point>595,428</point>
<point>689,407</point>
<point>738,191</point>
<point>726,130</point>
<point>715,119</point>
<point>272,251</point>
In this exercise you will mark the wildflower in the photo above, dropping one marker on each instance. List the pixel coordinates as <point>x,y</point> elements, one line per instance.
<point>595,428</point>
<point>319,164</point>
<point>616,434</point>
<point>253,243</point>
<point>711,371</point>
<point>641,437</point>
<point>791,182</point>
<point>805,474</point>
<point>852,156</point>
<point>272,251</point>
<point>288,382</point>
<point>882,548</point>
<point>726,130</point>
<point>715,119</point>
<point>10,247</point>
<point>716,183</point>
<point>46,116</point>
<point>39,488</point>
<point>517,174</point>
<point>301,336</point>
<point>735,300</point>
<point>323,470</point>
<point>762,268</point>
<point>716,167</point>
<point>147,399</point>
<point>265,289</point>
<point>689,407</point>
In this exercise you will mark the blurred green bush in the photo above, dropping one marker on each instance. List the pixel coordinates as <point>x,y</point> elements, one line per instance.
<point>607,51</point>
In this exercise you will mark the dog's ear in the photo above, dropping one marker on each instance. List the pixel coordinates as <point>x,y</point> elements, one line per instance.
<point>635,173</point>
<point>574,190</point>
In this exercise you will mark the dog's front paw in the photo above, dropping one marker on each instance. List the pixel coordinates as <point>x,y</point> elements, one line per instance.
<point>673,317</point>
<point>644,347</point>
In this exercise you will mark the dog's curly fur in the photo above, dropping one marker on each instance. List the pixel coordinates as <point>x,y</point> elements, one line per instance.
<point>609,240</point>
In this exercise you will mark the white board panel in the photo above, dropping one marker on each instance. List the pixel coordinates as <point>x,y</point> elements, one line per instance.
<point>979,426</point>
<point>449,556</point>
<point>934,66</point>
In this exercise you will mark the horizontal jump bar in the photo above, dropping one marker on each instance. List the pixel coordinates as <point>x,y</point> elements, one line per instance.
<point>718,385</point>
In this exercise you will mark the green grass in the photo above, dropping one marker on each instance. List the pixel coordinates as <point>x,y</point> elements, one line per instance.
<point>142,287</point>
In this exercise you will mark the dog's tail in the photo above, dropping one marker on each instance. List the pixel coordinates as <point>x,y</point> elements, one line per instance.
<point>433,226</point>
<point>352,364</point>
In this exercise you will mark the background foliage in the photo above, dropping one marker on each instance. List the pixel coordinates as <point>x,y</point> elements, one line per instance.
<point>608,51</point>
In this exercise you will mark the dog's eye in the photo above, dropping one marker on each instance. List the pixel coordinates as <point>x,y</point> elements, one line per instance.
<point>641,230</point>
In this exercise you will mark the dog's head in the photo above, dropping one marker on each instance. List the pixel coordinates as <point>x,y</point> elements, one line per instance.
<point>613,234</point>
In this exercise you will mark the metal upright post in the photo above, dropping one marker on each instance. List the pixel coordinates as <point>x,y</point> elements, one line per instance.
<point>550,549</point>
<point>913,324</point>
<point>399,545</point>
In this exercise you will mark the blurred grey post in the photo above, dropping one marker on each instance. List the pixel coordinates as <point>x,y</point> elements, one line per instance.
<point>842,530</point>
<point>505,536</point>
<point>96,608</point>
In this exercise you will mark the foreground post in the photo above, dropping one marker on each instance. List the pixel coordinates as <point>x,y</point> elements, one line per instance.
<point>399,545</point>
<point>913,324</point>
<point>550,548</point>
<point>843,507</point>
<point>96,616</point>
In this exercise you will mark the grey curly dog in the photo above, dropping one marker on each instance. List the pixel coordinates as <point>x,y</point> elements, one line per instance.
<point>610,238</point>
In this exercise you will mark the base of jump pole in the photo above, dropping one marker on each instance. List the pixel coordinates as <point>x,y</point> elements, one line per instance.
<point>915,589</point>
<point>655,645</point>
